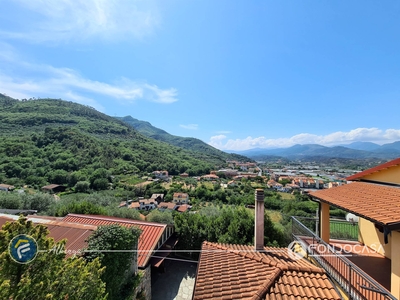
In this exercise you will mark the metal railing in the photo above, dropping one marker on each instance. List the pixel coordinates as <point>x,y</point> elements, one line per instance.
<point>339,229</point>
<point>354,281</point>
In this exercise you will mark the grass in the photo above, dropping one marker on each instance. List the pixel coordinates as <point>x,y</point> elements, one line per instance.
<point>344,230</point>
<point>286,196</point>
<point>275,216</point>
<point>131,180</point>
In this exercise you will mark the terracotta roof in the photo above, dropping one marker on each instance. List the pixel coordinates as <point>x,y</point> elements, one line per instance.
<point>147,201</point>
<point>134,205</point>
<point>378,168</point>
<point>75,234</point>
<point>51,186</point>
<point>7,186</point>
<point>183,208</point>
<point>377,203</point>
<point>151,232</point>
<point>180,195</point>
<point>239,272</point>
<point>167,205</point>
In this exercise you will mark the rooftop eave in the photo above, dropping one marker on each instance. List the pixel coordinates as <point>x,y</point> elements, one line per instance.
<point>317,199</point>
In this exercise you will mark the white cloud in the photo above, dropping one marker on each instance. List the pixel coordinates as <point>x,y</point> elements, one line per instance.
<point>66,20</point>
<point>190,126</point>
<point>374,135</point>
<point>39,80</point>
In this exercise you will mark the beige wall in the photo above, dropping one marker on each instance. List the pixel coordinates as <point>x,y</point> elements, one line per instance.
<point>395,278</point>
<point>391,175</point>
<point>373,238</point>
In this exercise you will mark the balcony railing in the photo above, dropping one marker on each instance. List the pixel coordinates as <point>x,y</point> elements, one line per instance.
<point>354,281</point>
<point>339,229</point>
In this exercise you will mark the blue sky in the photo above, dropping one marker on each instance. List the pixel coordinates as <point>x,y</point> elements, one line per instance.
<point>235,74</point>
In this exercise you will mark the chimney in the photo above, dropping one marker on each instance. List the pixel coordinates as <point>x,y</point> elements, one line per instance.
<point>259,220</point>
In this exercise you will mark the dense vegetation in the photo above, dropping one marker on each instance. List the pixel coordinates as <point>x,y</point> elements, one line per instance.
<point>119,275</point>
<point>55,141</point>
<point>49,275</point>
<point>193,144</point>
<point>231,225</point>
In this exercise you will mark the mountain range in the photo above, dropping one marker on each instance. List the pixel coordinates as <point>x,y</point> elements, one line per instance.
<point>356,150</point>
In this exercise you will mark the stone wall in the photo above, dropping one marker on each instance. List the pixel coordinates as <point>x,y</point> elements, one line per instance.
<point>143,291</point>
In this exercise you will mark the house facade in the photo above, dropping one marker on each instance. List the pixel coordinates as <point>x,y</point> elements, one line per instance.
<point>374,196</point>
<point>180,198</point>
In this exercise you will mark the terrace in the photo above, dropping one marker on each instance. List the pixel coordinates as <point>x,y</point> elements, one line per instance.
<point>365,265</point>
<point>361,272</point>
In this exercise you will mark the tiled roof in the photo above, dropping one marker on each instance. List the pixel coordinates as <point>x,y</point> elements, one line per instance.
<point>151,232</point>
<point>134,205</point>
<point>50,186</point>
<point>378,168</point>
<point>239,272</point>
<point>180,195</point>
<point>7,186</point>
<point>167,205</point>
<point>75,234</point>
<point>377,203</point>
<point>183,208</point>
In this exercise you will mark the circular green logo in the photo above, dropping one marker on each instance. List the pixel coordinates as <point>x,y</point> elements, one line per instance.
<point>23,249</point>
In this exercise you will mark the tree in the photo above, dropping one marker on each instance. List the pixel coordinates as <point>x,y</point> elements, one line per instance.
<point>160,217</point>
<point>119,274</point>
<point>50,275</point>
<point>82,186</point>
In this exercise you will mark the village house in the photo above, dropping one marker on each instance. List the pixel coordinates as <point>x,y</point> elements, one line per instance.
<point>368,268</point>
<point>180,198</point>
<point>184,208</point>
<point>147,204</point>
<point>163,175</point>
<point>158,197</point>
<point>226,172</point>
<point>6,187</point>
<point>209,177</point>
<point>167,206</point>
<point>53,188</point>
<point>152,246</point>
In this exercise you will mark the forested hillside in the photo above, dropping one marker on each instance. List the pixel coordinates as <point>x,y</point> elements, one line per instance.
<point>188,143</point>
<point>55,141</point>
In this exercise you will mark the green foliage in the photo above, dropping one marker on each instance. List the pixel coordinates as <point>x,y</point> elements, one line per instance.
<point>54,141</point>
<point>49,275</point>
<point>82,187</point>
<point>157,216</point>
<point>118,265</point>
<point>80,207</point>
<point>38,201</point>
<point>234,225</point>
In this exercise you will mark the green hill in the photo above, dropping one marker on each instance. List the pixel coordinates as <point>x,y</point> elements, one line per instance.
<point>188,143</point>
<point>56,141</point>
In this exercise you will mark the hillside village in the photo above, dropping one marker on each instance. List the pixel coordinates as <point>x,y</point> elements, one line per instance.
<point>158,241</point>
<point>189,215</point>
